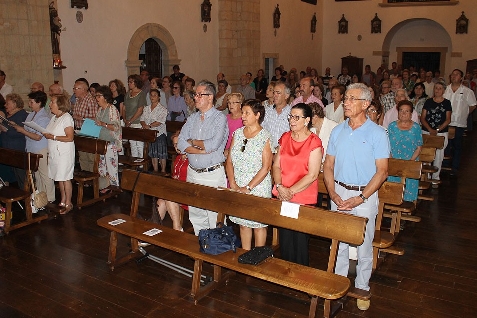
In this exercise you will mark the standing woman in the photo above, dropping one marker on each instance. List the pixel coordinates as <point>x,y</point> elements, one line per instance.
<point>435,120</point>
<point>261,82</point>
<point>154,118</point>
<point>190,102</point>
<point>248,167</point>
<point>234,117</point>
<point>295,172</point>
<point>109,119</point>
<point>11,138</point>
<point>405,139</point>
<point>334,110</point>
<point>134,104</point>
<point>61,148</point>
<point>176,105</point>
<point>269,94</point>
<point>167,90</point>
<point>118,91</point>
<point>36,143</point>
<point>418,97</point>
<point>221,97</point>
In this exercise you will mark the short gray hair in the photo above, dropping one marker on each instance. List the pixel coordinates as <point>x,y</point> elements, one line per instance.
<point>209,87</point>
<point>365,93</point>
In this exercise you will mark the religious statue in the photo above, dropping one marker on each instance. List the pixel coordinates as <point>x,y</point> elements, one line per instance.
<point>206,7</point>
<point>55,27</point>
<point>276,18</point>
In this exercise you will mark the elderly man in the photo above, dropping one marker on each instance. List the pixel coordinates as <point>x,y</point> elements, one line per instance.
<point>245,89</point>
<point>221,76</point>
<point>276,116</point>
<point>331,83</point>
<point>429,85</point>
<point>5,88</point>
<point>392,114</point>
<point>203,138</point>
<point>37,86</point>
<point>387,99</point>
<point>306,89</point>
<point>54,89</point>
<point>357,142</point>
<point>463,103</point>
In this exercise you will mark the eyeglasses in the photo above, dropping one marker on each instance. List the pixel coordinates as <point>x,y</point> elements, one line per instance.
<point>244,144</point>
<point>199,95</point>
<point>130,82</point>
<point>76,88</point>
<point>371,111</point>
<point>385,87</point>
<point>351,99</point>
<point>295,118</point>
<point>98,95</point>
<point>175,87</point>
<point>230,103</point>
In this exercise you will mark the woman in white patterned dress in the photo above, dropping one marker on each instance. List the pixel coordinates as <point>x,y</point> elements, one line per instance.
<point>248,167</point>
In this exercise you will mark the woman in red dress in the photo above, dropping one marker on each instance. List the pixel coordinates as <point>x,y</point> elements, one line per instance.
<point>295,172</point>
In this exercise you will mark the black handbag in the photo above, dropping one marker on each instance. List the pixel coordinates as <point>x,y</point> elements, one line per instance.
<point>219,240</point>
<point>256,255</point>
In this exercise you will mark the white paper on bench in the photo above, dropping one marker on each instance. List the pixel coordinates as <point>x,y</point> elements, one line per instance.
<point>152,232</point>
<point>290,210</point>
<point>139,160</point>
<point>116,222</point>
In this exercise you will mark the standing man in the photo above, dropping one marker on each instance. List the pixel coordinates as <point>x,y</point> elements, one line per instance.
<point>429,85</point>
<point>146,84</point>
<point>368,76</point>
<point>463,103</point>
<point>221,76</point>
<point>276,116</point>
<point>177,75</point>
<point>327,76</point>
<point>5,88</point>
<point>245,89</point>
<point>37,86</point>
<point>344,78</point>
<point>355,167</point>
<point>203,138</point>
<point>306,89</point>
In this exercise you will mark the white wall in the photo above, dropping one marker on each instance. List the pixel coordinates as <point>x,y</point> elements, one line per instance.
<point>97,48</point>
<point>360,13</point>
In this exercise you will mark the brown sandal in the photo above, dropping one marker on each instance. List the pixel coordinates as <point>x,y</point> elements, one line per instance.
<point>67,209</point>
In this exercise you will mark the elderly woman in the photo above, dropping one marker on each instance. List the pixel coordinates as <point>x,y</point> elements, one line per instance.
<point>190,102</point>
<point>321,126</point>
<point>234,117</point>
<point>269,94</point>
<point>119,91</point>
<point>154,118</point>
<point>435,119</point>
<point>12,139</point>
<point>108,118</point>
<point>393,114</point>
<point>248,167</point>
<point>176,105</point>
<point>261,82</point>
<point>418,97</point>
<point>61,149</point>
<point>334,110</point>
<point>221,97</point>
<point>318,92</point>
<point>374,111</point>
<point>295,171</point>
<point>36,143</point>
<point>134,104</point>
<point>166,91</point>
<point>405,139</point>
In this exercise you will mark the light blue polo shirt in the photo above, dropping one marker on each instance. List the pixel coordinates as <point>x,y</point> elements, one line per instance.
<point>355,151</point>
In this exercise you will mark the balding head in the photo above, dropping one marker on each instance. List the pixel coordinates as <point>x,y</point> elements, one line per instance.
<point>37,87</point>
<point>220,77</point>
<point>55,89</point>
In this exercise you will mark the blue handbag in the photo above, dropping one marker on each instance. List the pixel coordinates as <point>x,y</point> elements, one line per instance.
<point>219,240</point>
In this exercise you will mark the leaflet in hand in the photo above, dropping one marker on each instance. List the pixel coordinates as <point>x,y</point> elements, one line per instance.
<point>35,126</point>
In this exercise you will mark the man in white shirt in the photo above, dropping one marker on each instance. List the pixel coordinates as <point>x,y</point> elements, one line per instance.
<point>429,84</point>
<point>463,103</point>
<point>5,88</point>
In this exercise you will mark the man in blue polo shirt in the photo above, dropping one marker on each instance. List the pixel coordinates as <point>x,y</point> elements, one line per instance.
<point>355,167</point>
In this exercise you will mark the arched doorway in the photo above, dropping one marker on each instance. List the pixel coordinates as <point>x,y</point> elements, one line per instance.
<point>417,40</point>
<point>163,38</point>
<point>151,56</point>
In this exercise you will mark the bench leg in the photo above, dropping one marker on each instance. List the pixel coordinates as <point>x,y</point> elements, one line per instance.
<point>196,280</point>
<point>217,273</point>
<point>113,243</point>
<point>8,216</point>
<point>313,303</point>
<point>79,199</point>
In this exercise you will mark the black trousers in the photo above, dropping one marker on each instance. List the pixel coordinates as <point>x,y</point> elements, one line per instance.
<point>294,246</point>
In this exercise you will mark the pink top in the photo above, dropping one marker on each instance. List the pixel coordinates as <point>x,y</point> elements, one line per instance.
<point>234,124</point>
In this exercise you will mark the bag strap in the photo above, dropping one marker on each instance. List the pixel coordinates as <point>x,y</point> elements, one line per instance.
<point>30,176</point>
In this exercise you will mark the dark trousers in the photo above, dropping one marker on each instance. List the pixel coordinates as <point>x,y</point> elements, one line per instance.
<point>454,148</point>
<point>294,246</point>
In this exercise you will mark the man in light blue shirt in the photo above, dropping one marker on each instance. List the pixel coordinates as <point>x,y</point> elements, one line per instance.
<point>276,116</point>
<point>203,138</point>
<point>356,165</point>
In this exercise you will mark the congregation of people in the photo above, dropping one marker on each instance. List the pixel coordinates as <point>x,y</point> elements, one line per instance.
<point>263,138</point>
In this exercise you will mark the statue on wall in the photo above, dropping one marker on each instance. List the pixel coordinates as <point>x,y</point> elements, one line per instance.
<point>55,27</point>
<point>205,7</point>
<point>462,24</point>
<point>343,25</point>
<point>376,24</point>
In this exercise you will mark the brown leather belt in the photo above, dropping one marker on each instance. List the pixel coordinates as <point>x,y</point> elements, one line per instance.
<point>209,169</point>
<point>349,187</point>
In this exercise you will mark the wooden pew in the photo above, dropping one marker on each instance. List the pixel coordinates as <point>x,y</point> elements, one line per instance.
<point>403,169</point>
<point>10,195</point>
<point>144,135</point>
<point>427,156</point>
<point>315,282</point>
<point>450,135</point>
<point>96,147</point>
<point>172,127</point>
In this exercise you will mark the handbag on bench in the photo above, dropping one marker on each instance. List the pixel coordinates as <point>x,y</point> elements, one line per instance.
<point>256,255</point>
<point>219,240</point>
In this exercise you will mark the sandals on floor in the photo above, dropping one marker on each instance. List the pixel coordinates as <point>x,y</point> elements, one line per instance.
<point>105,191</point>
<point>67,209</point>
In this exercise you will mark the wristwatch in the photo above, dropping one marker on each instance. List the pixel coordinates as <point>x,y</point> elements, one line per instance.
<point>278,185</point>
<point>248,188</point>
<point>437,129</point>
<point>365,199</point>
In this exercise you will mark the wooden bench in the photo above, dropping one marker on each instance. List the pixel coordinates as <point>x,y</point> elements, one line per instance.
<point>137,134</point>
<point>403,169</point>
<point>427,156</point>
<point>315,282</point>
<point>96,147</point>
<point>10,195</point>
<point>172,127</point>
<point>450,135</point>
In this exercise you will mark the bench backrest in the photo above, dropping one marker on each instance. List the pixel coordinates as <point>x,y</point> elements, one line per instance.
<point>404,168</point>
<point>427,154</point>
<point>19,159</point>
<point>315,221</point>
<point>138,134</point>
<point>429,141</point>
<point>91,145</point>
<point>173,126</point>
